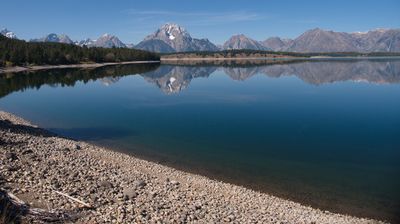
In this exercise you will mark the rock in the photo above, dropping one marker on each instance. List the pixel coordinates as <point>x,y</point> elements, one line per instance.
<point>28,151</point>
<point>11,156</point>
<point>139,184</point>
<point>174,182</point>
<point>105,184</point>
<point>12,168</point>
<point>130,193</point>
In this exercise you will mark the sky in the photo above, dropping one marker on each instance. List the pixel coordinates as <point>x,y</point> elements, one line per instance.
<point>217,20</point>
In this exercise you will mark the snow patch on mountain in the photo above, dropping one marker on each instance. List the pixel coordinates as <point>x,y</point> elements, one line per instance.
<point>5,32</point>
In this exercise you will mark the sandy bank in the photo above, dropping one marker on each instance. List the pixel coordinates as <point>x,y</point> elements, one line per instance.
<point>44,67</point>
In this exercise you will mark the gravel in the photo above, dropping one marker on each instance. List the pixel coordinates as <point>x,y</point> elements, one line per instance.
<point>34,164</point>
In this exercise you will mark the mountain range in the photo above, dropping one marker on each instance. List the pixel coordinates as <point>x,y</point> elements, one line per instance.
<point>106,40</point>
<point>174,38</point>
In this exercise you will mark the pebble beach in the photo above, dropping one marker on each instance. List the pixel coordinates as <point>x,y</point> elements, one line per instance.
<point>91,184</point>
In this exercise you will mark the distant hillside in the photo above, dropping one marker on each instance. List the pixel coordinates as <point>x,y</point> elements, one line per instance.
<point>242,42</point>
<point>319,40</point>
<point>155,45</point>
<point>18,52</point>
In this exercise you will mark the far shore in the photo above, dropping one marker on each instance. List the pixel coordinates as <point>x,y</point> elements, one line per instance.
<point>86,65</point>
<point>15,69</point>
<point>270,58</point>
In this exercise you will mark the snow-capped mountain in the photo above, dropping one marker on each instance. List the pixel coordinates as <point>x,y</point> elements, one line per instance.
<point>177,37</point>
<point>86,42</point>
<point>55,38</point>
<point>8,33</point>
<point>242,42</point>
<point>130,46</point>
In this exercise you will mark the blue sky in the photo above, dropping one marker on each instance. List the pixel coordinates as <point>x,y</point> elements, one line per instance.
<point>217,20</point>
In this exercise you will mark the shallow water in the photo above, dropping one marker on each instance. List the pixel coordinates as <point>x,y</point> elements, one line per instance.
<point>324,132</point>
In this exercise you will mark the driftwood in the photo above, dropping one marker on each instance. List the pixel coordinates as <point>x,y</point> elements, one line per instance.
<point>74,199</point>
<point>14,210</point>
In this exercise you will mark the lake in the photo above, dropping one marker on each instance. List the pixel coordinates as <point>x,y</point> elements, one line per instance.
<point>323,132</point>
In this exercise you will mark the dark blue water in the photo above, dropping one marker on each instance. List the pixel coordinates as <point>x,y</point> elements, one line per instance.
<point>324,133</point>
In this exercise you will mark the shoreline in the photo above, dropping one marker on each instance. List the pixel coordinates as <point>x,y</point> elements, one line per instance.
<point>249,183</point>
<point>124,188</point>
<point>16,69</point>
<point>276,58</point>
<point>87,65</point>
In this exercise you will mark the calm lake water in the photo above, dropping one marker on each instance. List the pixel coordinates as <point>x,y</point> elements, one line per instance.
<point>325,133</point>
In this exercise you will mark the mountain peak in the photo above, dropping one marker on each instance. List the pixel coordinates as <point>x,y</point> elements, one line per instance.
<point>277,43</point>
<point>241,35</point>
<point>173,27</point>
<point>177,38</point>
<point>240,41</point>
<point>86,42</point>
<point>381,30</point>
<point>316,30</point>
<point>172,31</point>
<point>107,35</point>
<point>108,41</point>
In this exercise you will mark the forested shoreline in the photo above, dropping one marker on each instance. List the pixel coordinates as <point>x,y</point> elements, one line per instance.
<point>15,52</point>
<point>247,53</point>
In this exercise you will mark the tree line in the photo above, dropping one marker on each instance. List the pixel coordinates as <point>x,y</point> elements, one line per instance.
<point>18,52</point>
<point>264,53</point>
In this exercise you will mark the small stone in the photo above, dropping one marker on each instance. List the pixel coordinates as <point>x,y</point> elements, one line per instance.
<point>174,182</point>
<point>139,184</point>
<point>129,193</point>
<point>28,151</point>
<point>11,156</point>
<point>105,184</point>
<point>12,168</point>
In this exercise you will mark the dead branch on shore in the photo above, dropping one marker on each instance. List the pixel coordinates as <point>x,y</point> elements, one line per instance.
<point>14,210</point>
<point>74,199</point>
